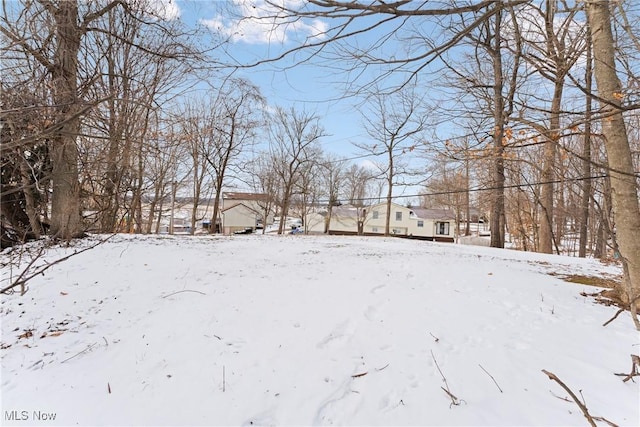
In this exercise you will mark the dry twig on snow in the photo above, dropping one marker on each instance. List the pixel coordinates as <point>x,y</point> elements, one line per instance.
<point>384,367</point>
<point>454,399</point>
<point>89,347</point>
<point>494,380</point>
<point>184,290</point>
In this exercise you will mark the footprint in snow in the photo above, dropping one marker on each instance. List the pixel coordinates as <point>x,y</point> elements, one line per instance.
<point>340,406</point>
<point>341,332</point>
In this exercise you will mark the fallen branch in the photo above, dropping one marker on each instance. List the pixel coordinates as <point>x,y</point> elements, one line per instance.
<point>434,337</point>
<point>580,404</point>
<point>494,380</point>
<point>184,290</point>
<point>359,375</point>
<point>635,364</point>
<point>19,281</point>
<point>23,278</point>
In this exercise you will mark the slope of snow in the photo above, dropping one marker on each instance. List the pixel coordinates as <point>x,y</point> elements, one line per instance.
<point>308,330</point>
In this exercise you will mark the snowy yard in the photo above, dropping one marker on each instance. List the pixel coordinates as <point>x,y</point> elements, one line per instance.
<point>311,330</point>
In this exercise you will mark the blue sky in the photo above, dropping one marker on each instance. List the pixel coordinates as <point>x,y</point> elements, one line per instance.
<point>309,86</point>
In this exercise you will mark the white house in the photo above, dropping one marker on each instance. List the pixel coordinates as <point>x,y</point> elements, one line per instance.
<point>428,224</point>
<point>238,218</point>
<point>256,201</point>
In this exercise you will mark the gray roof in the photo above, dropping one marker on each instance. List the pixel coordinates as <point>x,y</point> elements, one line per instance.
<point>434,213</point>
<point>245,196</point>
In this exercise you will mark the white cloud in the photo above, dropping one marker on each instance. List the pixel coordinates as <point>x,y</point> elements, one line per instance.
<point>257,22</point>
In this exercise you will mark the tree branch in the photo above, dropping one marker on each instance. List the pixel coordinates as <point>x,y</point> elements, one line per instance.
<point>27,48</point>
<point>23,278</point>
<point>581,405</point>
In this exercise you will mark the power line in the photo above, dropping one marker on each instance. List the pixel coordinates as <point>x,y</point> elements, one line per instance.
<point>481,189</point>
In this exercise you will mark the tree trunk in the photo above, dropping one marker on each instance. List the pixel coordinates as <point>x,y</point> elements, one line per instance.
<point>548,172</point>
<point>497,223</point>
<point>624,186</point>
<point>66,220</point>
<point>110,208</point>
<point>216,212</point>
<point>387,222</point>
<point>586,154</point>
<point>467,195</point>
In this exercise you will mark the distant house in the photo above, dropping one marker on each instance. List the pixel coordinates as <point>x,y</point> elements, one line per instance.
<point>316,221</point>
<point>257,203</point>
<point>238,218</point>
<point>346,219</point>
<point>428,224</point>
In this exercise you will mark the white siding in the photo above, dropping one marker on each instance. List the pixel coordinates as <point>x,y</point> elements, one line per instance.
<point>238,217</point>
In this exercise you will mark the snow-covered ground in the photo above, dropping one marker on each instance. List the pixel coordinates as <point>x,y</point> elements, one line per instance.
<point>306,330</point>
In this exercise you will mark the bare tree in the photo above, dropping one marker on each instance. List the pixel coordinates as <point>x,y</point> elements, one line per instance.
<point>358,190</point>
<point>333,177</point>
<point>231,128</point>
<point>357,184</point>
<point>486,73</point>
<point>195,131</point>
<point>264,180</point>
<point>134,81</point>
<point>165,152</point>
<point>395,123</point>
<point>293,135</point>
<point>556,42</point>
<point>308,186</point>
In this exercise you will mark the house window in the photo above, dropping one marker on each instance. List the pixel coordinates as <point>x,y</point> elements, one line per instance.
<point>443,228</point>
<point>374,229</point>
<point>399,216</point>
<point>420,223</point>
<point>375,215</point>
<point>397,231</point>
